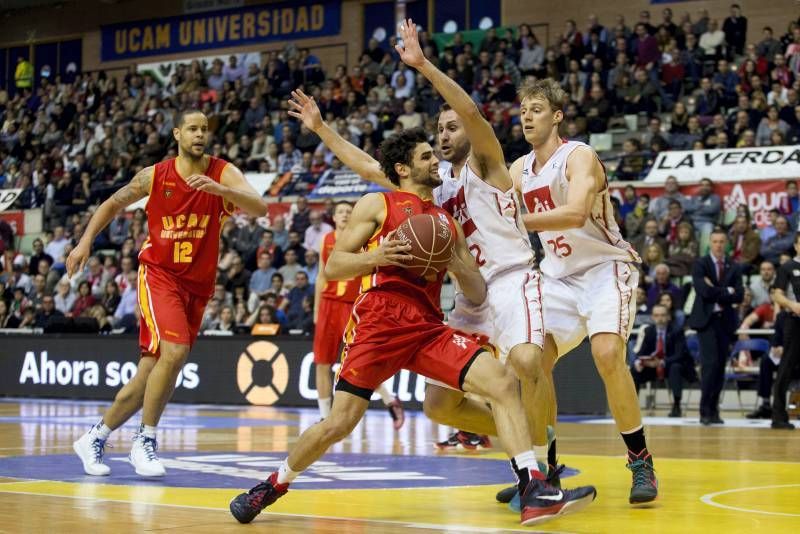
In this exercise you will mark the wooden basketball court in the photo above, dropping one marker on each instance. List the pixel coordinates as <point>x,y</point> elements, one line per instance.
<point>742,477</point>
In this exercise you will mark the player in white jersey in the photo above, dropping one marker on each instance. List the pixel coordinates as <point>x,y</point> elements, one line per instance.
<point>479,193</point>
<point>589,272</point>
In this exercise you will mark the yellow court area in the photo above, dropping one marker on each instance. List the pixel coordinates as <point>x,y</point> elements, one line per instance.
<point>721,479</point>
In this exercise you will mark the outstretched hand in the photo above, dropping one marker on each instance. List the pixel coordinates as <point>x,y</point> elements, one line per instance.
<point>410,51</point>
<point>304,107</point>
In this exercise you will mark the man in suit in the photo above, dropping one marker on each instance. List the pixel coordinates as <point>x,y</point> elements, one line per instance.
<point>662,352</point>
<point>718,285</point>
<point>649,237</point>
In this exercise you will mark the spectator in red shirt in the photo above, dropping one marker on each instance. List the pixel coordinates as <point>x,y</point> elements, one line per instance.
<point>85,299</point>
<point>646,48</point>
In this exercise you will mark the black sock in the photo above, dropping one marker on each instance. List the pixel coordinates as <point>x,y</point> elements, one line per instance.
<point>635,441</point>
<point>524,475</point>
<point>551,454</point>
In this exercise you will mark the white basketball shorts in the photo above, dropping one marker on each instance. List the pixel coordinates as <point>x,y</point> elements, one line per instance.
<point>601,299</point>
<point>511,314</point>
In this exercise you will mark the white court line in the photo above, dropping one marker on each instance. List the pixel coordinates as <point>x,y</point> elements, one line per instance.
<point>709,499</point>
<point>431,526</point>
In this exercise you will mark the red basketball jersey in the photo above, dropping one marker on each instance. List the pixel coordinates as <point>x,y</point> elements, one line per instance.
<point>343,290</point>
<point>401,205</point>
<point>183,227</point>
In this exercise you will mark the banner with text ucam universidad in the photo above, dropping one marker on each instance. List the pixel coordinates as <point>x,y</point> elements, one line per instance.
<point>249,25</point>
<point>342,183</point>
<point>727,165</point>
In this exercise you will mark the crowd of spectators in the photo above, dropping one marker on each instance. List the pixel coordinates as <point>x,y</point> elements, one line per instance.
<point>69,143</point>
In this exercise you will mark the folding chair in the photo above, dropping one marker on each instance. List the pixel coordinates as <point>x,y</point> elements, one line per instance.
<point>753,345</point>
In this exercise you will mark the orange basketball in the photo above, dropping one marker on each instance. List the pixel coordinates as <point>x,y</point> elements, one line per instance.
<point>431,243</point>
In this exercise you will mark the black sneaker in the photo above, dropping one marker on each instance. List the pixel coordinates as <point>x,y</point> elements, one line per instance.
<point>542,502</point>
<point>554,475</point>
<point>645,485</point>
<point>782,425</point>
<point>762,412</point>
<point>464,441</point>
<point>397,413</point>
<point>246,506</point>
<point>507,495</point>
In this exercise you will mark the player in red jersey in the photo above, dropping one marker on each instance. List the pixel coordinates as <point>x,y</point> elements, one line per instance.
<point>189,199</point>
<point>397,323</point>
<point>333,300</point>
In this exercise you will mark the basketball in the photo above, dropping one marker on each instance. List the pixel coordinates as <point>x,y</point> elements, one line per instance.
<point>431,243</point>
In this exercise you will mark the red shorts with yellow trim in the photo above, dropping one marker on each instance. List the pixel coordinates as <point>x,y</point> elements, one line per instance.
<point>332,318</point>
<point>389,332</point>
<point>168,311</point>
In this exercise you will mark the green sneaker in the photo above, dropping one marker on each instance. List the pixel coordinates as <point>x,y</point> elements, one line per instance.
<point>645,485</point>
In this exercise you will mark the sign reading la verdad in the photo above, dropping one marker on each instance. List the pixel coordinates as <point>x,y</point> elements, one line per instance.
<point>729,164</point>
<point>299,19</point>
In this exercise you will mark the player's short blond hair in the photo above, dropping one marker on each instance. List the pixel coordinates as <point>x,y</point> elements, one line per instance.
<point>546,89</point>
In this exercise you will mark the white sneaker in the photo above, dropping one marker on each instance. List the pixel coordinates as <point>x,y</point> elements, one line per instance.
<point>90,449</point>
<point>143,457</point>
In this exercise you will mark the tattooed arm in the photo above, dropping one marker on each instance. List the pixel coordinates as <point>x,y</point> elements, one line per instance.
<point>137,188</point>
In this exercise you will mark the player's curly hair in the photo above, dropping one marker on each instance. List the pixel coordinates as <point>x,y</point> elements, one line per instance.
<point>399,148</point>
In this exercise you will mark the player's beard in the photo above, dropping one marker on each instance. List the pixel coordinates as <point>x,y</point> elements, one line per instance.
<point>188,152</point>
<point>428,177</point>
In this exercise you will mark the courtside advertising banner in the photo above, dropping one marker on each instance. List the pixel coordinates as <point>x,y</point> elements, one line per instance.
<point>261,371</point>
<point>342,183</point>
<point>727,165</point>
<point>759,196</point>
<point>265,371</point>
<point>7,197</point>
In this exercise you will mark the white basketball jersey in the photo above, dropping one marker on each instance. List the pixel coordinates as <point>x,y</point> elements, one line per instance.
<point>491,219</point>
<point>574,250</point>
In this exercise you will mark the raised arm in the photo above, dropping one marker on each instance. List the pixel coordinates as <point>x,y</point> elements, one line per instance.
<point>463,268</point>
<point>583,170</point>
<point>305,109</point>
<point>233,188</point>
<point>486,150</point>
<point>347,260</point>
<point>136,189</point>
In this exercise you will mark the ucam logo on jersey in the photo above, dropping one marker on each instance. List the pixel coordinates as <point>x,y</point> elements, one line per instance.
<point>539,200</point>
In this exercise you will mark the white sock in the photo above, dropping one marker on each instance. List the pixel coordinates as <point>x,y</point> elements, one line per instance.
<point>385,394</point>
<point>101,431</point>
<point>148,431</point>
<point>324,407</point>
<point>527,460</point>
<point>285,474</point>
<point>541,452</point>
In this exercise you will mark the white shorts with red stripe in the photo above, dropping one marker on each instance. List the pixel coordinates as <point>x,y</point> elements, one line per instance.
<point>511,315</point>
<point>601,299</point>
<point>515,298</point>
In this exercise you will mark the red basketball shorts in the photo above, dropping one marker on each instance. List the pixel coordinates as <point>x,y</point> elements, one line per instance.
<point>167,310</point>
<point>388,332</point>
<point>332,318</point>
